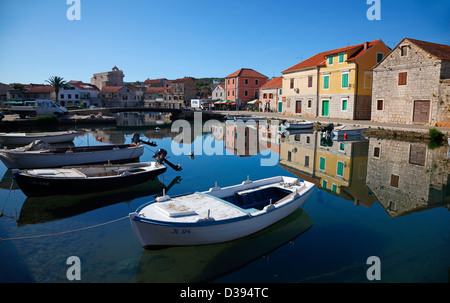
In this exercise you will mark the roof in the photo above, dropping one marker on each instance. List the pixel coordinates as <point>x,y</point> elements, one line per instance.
<point>439,51</point>
<point>155,81</point>
<point>155,90</point>
<point>183,79</point>
<point>110,89</point>
<point>319,59</point>
<point>275,82</point>
<point>246,72</point>
<point>33,88</point>
<point>83,86</point>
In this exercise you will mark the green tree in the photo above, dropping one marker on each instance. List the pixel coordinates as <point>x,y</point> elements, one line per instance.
<point>57,83</point>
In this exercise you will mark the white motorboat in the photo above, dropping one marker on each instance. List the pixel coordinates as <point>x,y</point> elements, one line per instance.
<point>345,131</point>
<point>297,125</point>
<point>27,138</point>
<point>38,154</point>
<point>219,214</point>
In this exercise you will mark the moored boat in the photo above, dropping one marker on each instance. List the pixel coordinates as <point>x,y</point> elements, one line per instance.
<point>297,125</point>
<point>38,154</point>
<point>219,214</point>
<point>27,138</point>
<point>85,179</point>
<point>344,131</point>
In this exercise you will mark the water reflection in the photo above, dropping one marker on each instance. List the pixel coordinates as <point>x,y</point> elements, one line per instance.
<point>408,177</point>
<point>142,119</point>
<point>206,262</point>
<point>52,208</point>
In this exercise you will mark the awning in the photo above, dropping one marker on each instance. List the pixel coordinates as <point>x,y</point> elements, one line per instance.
<point>256,101</point>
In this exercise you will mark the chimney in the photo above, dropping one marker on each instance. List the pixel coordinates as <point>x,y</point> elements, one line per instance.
<point>366,45</point>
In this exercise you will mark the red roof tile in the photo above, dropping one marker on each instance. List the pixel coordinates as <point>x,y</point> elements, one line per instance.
<point>39,89</point>
<point>319,59</point>
<point>155,90</point>
<point>439,51</point>
<point>275,82</point>
<point>110,89</point>
<point>246,72</point>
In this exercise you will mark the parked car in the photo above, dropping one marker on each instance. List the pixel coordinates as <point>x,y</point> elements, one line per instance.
<point>38,108</point>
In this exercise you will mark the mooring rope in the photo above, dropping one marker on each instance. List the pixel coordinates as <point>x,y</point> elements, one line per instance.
<point>63,232</point>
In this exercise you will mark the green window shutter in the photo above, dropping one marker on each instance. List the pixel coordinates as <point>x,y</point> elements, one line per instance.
<point>326,82</point>
<point>379,57</point>
<point>345,80</point>
<point>324,183</point>
<point>334,188</point>
<point>322,163</point>
<point>341,58</point>
<point>342,146</point>
<point>330,60</point>
<point>340,169</point>
<point>344,104</point>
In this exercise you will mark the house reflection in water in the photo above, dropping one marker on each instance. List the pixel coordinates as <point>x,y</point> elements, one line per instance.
<point>408,177</point>
<point>338,167</point>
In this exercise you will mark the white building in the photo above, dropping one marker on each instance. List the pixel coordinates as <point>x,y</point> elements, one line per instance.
<point>78,93</point>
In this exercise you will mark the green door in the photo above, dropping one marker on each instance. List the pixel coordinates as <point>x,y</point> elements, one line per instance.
<point>280,107</point>
<point>325,107</point>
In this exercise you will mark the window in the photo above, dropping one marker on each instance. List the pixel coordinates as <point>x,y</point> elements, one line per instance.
<point>326,81</point>
<point>404,50</point>
<point>322,163</point>
<point>341,58</point>
<point>309,103</point>
<point>228,81</point>
<point>256,82</point>
<point>292,83</point>
<point>340,169</point>
<point>228,93</point>
<point>402,78</point>
<point>62,96</point>
<point>379,57</point>
<point>69,96</point>
<point>394,181</point>
<point>308,140</point>
<point>344,82</point>
<point>330,60</point>
<point>270,96</point>
<point>379,104</point>
<point>289,158</point>
<point>368,80</point>
<point>246,93</point>
<point>245,81</point>
<point>310,79</point>
<point>306,161</point>
<point>76,96</point>
<point>232,81</point>
<point>344,105</point>
<point>376,152</point>
<point>342,146</point>
<point>264,96</point>
<point>324,183</point>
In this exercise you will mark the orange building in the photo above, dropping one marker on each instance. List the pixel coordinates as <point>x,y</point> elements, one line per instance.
<point>243,85</point>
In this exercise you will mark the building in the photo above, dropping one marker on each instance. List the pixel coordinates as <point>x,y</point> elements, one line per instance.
<point>39,91</point>
<point>345,80</point>
<point>121,96</point>
<point>5,90</point>
<point>218,93</point>
<point>163,82</point>
<point>270,95</point>
<point>183,90</point>
<point>77,93</point>
<point>412,84</point>
<point>159,97</point>
<point>243,85</point>
<point>111,78</point>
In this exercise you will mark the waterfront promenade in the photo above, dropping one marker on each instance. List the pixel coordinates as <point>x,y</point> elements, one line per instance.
<point>323,120</point>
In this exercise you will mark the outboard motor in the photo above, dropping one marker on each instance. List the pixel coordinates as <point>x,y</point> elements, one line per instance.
<point>328,128</point>
<point>160,157</point>
<point>136,139</point>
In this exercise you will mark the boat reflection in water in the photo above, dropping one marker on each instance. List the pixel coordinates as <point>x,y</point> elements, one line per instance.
<point>206,262</point>
<point>52,208</point>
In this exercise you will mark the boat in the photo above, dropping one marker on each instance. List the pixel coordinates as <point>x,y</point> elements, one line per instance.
<point>242,118</point>
<point>219,214</point>
<point>344,131</point>
<point>85,179</point>
<point>297,125</point>
<point>27,138</point>
<point>39,154</point>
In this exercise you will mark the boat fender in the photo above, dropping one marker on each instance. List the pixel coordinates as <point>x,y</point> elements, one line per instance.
<point>269,207</point>
<point>345,136</point>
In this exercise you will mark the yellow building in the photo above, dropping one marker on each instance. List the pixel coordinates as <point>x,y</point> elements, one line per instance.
<point>345,80</point>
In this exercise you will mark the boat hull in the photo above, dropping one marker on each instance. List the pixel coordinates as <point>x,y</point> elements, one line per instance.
<point>17,139</point>
<point>351,133</point>
<point>153,234</point>
<point>36,159</point>
<point>305,125</point>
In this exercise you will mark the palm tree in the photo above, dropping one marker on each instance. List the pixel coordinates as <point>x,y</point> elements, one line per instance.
<point>57,83</point>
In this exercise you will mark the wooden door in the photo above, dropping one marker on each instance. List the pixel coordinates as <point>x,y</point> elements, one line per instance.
<point>298,107</point>
<point>421,111</point>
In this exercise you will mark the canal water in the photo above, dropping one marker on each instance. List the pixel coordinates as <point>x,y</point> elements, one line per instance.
<point>373,198</point>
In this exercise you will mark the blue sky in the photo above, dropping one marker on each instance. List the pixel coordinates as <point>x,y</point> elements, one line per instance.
<point>174,39</point>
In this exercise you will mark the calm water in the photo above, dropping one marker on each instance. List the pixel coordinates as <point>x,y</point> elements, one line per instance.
<point>374,197</point>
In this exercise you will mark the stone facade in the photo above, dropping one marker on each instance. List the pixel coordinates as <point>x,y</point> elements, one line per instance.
<point>394,170</point>
<point>410,85</point>
<point>270,95</point>
<point>111,78</point>
<point>183,90</point>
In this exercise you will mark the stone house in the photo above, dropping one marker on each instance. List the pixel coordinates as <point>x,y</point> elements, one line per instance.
<point>411,84</point>
<point>111,78</point>
<point>121,96</point>
<point>4,92</point>
<point>270,95</point>
<point>243,85</point>
<point>218,93</point>
<point>183,90</point>
<point>162,82</point>
<point>159,97</point>
<point>39,91</point>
